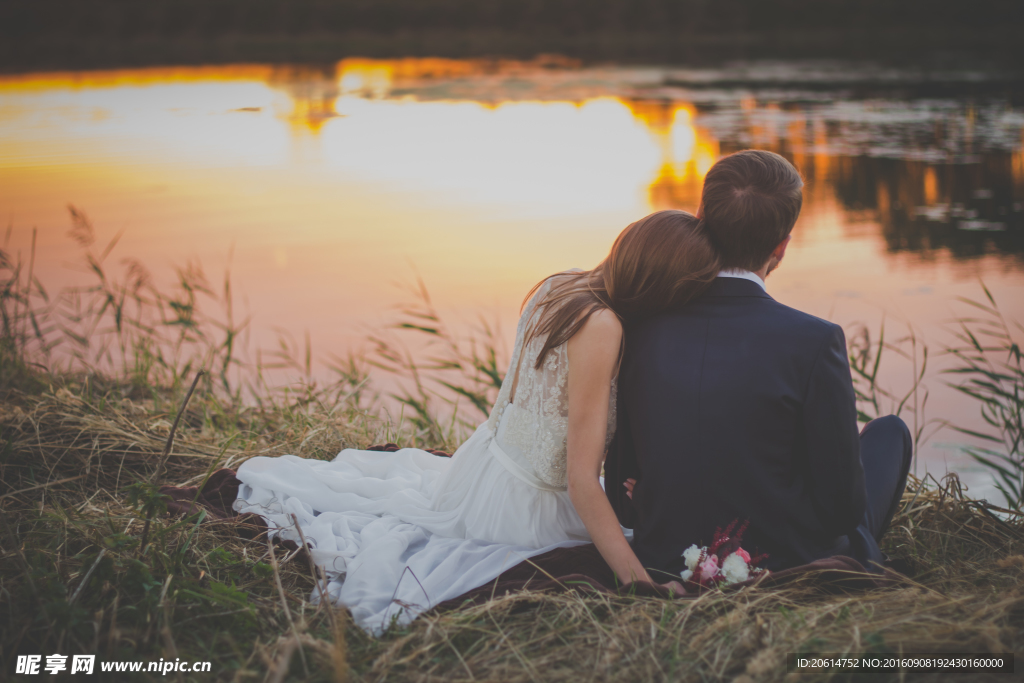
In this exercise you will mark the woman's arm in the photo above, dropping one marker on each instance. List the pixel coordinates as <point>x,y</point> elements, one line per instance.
<point>593,361</point>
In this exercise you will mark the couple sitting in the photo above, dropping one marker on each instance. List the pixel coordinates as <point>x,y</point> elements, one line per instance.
<point>670,367</point>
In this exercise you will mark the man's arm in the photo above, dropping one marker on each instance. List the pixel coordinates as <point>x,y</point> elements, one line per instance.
<point>832,440</point>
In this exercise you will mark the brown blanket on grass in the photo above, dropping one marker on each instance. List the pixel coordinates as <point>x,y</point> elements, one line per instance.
<point>579,568</point>
<point>582,569</point>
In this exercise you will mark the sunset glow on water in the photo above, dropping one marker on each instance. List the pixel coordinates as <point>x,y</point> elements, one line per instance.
<point>325,189</point>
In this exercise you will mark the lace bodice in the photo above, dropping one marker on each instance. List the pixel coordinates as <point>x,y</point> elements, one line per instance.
<point>537,425</point>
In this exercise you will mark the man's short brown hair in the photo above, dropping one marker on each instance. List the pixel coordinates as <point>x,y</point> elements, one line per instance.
<point>750,202</point>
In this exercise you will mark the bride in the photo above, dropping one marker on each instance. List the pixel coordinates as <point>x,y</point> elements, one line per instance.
<point>398,533</point>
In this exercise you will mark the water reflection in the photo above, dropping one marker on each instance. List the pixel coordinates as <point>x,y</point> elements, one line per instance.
<point>687,152</point>
<point>965,210</point>
<point>312,92</point>
<point>935,175</point>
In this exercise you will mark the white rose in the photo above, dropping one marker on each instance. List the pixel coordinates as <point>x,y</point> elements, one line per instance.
<point>686,574</point>
<point>692,557</point>
<point>735,569</point>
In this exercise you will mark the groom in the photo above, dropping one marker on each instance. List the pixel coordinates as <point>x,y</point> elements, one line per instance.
<point>735,406</point>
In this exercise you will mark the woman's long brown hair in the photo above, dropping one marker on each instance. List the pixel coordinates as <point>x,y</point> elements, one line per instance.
<point>661,261</point>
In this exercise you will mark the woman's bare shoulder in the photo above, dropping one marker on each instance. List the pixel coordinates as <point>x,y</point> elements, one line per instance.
<point>603,327</point>
<point>605,320</point>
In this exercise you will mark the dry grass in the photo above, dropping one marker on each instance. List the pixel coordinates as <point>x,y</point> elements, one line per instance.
<point>200,592</point>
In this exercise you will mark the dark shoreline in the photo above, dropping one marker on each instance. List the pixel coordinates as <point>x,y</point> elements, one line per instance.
<point>926,48</point>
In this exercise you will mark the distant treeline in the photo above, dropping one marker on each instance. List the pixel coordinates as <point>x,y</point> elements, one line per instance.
<point>91,32</point>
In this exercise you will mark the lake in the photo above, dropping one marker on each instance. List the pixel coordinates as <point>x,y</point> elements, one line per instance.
<point>328,189</point>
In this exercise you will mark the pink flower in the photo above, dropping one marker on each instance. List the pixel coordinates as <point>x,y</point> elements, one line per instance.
<point>709,569</point>
<point>744,554</point>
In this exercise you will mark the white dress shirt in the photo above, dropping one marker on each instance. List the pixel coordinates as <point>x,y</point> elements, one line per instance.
<point>743,275</point>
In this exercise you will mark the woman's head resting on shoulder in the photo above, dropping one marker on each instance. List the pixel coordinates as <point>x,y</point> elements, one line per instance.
<point>661,261</point>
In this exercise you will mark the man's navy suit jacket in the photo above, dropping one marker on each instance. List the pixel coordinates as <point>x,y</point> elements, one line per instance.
<point>735,406</point>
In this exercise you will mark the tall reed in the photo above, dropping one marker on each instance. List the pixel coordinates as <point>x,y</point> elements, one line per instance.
<point>452,376</point>
<point>991,372</point>
<point>876,398</point>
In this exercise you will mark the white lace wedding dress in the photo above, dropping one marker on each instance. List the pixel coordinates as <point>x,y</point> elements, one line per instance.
<point>401,532</point>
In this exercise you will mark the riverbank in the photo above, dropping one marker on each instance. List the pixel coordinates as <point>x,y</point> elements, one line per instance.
<point>91,34</point>
<point>938,48</point>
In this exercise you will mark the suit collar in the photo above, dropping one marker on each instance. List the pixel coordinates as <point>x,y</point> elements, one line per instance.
<point>731,286</point>
<point>743,275</point>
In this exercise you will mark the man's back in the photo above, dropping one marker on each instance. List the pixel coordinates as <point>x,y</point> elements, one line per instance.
<point>737,407</point>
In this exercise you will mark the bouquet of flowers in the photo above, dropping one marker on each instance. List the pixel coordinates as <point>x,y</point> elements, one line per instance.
<point>723,562</point>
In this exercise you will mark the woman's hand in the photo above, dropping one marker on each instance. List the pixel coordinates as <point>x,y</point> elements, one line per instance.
<point>629,484</point>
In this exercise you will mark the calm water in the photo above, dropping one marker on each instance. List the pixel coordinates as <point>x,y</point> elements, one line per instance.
<point>329,188</point>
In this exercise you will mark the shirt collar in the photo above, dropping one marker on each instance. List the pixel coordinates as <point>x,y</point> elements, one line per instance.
<point>742,275</point>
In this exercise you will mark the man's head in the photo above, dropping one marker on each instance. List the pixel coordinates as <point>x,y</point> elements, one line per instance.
<point>750,202</point>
